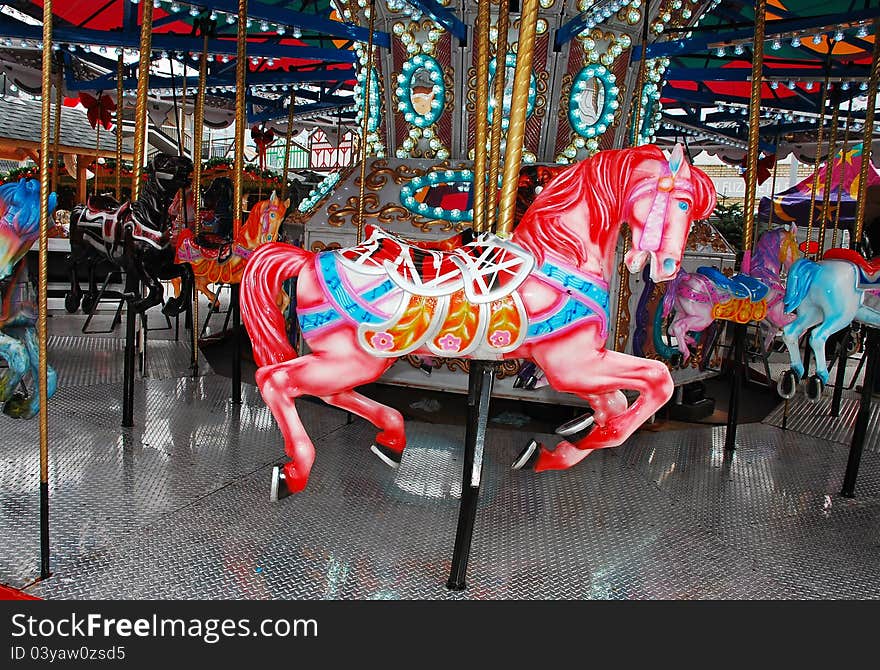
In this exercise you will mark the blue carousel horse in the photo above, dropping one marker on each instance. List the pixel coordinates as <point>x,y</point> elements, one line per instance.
<point>841,288</point>
<point>19,229</point>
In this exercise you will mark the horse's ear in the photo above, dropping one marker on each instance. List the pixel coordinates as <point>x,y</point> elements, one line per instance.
<point>678,163</point>
<point>287,204</point>
<point>273,198</point>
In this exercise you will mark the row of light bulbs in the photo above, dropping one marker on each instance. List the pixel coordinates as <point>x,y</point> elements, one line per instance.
<point>796,40</point>
<point>175,7</point>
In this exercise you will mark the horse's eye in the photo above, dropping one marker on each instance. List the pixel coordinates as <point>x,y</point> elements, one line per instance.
<point>683,206</point>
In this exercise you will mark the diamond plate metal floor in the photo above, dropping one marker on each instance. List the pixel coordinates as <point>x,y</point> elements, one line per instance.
<point>815,418</point>
<point>178,508</point>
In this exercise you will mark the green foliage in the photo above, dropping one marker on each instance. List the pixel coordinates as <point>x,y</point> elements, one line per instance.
<point>728,219</point>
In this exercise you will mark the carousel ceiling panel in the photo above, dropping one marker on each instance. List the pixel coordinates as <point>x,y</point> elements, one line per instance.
<point>707,84</point>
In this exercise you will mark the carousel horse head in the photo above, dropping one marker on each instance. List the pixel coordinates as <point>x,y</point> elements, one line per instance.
<point>664,198</point>
<point>264,221</point>
<point>776,247</point>
<point>171,173</point>
<point>19,221</point>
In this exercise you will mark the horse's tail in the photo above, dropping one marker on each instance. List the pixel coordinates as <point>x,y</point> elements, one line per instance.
<point>261,283</point>
<point>800,277</point>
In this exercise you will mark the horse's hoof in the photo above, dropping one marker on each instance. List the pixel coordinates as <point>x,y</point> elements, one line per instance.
<point>576,425</point>
<point>388,456</point>
<point>71,303</point>
<point>675,360</point>
<point>18,407</point>
<point>814,389</point>
<point>88,303</point>
<point>787,385</point>
<point>278,489</point>
<point>528,457</point>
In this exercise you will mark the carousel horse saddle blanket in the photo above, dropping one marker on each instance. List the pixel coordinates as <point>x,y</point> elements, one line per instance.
<point>739,285</point>
<point>869,270</point>
<point>486,269</point>
<point>394,321</point>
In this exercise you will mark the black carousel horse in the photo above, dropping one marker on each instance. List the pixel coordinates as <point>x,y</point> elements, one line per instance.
<point>134,236</point>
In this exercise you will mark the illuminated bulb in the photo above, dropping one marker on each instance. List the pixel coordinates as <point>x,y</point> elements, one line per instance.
<point>281,30</point>
<point>817,39</point>
<point>795,41</point>
<point>720,52</point>
<point>738,49</point>
<point>264,26</point>
<point>844,86</point>
<point>862,32</point>
<point>776,45</point>
<point>193,11</point>
<point>838,36</point>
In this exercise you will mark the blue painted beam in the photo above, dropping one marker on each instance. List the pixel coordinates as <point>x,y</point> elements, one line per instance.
<point>311,22</point>
<point>16,30</point>
<point>443,16</point>
<point>698,44</point>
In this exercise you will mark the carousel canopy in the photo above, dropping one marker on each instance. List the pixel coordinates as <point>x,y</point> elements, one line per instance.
<point>707,80</point>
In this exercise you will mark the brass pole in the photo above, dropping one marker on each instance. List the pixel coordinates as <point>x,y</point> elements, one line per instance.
<point>869,132</point>
<point>773,185</point>
<point>289,139</point>
<point>819,139</point>
<point>498,114</point>
<point>754,128</point>
<point>198,129</point>
<point>241,67</point>
<point>365,124</point>
<point>620,336</point>
<point>140,109</point>
<point>120,103</point>
<point>42,334</point>
<point>517,124</point>
<point>56,141</point>
<point>829,173</point>
<point>842,171</point>
<point>481,114</point>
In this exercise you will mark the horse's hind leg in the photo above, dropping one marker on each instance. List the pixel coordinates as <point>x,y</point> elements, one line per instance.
<point>16,356</point>
<point>818,339</point>
<point>327,376</point>
<point>392,440</point>
<point>791,335</point>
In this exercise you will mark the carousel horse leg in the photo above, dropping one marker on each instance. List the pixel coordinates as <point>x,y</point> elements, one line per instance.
<point>818,339</point>
<point>791,335</point>
<point>74,296</point>
<point>392,440</point>
<point>281,383</point>
<point>610,371</point>
<point>15,354</point>
<point>25,407</point>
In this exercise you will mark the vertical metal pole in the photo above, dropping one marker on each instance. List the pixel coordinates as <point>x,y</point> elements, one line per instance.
<point>481,114</point>
<point>867,154</point>
<point>241,68</point>
<point>829,171</point>
<point>739,331</point>
<point>236,344</point>
<point>480,381</point>
<point>365,125</point>
<point>132,291</point>
<point>860,429</point>
<point>42,333</point>
<point>819,140</point>
<point>120,103</point>
<point>198,129</point>
<point>140,110</point>
<point>840,377</point>
<point>290,112</point>
<point>498,115</point>
<point>517,124</point>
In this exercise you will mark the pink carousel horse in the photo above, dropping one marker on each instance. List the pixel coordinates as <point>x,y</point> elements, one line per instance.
<point>694,297</point>
<point>542,295</point>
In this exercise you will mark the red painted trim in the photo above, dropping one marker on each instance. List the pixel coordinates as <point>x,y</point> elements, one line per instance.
<point>9,593</point>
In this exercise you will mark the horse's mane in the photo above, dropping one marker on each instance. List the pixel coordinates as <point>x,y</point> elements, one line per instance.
<point>24,210</point>
<point>598,183</point>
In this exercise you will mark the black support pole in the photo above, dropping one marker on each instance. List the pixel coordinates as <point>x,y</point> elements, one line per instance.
<point>44,530</point>
<point>132,291</point>
<point>739,362</point>
<point>872,351</point>
<point>480,381</point>
<point>840,376</point>
<point>236,345</point>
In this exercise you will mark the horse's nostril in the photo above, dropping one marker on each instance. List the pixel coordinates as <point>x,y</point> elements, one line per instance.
<point>669,265</point>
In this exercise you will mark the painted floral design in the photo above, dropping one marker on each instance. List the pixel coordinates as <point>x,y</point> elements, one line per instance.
<point>382,341</point>
<point>500,338</point>
<point>449,342</point>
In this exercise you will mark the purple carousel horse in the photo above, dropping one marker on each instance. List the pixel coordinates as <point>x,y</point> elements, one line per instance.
<point>693,297</point>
